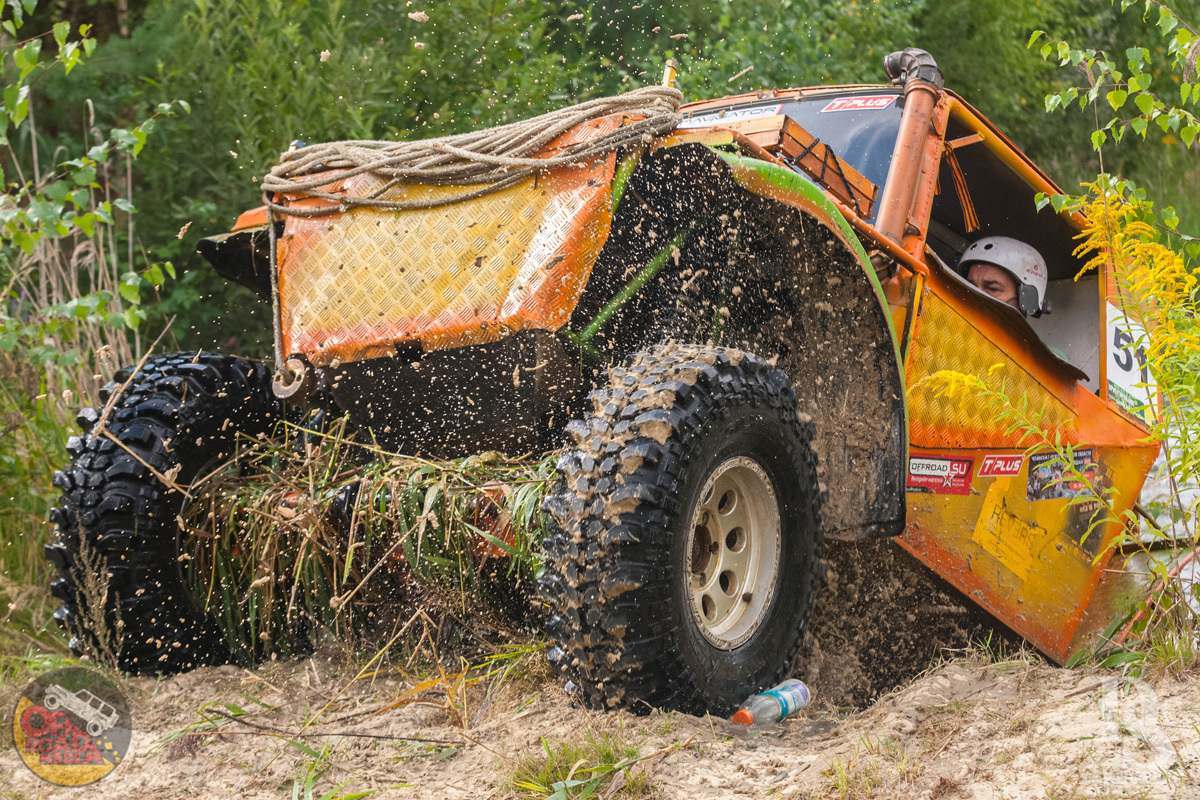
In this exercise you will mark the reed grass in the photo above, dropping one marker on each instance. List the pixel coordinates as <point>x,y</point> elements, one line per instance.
<point>313,537</point>
<point>62,334</point>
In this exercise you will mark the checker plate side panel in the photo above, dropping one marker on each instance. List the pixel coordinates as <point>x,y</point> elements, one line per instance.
<point>1002,536</point>
<point>945,340</point>
<point>354,285</point>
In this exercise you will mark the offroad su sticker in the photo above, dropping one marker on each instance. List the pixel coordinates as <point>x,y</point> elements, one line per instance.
<point>872,102</point>
<point>731,115</point>
<point>1001,466</point>
<point>939,475</point>
<point>71,726</point>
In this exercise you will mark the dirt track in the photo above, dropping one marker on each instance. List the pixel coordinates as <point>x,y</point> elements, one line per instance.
<point>1015,729</point>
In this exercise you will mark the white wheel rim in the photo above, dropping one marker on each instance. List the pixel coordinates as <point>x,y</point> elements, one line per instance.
<point>733,552</point>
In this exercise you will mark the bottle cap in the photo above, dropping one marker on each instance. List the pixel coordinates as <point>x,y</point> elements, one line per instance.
<point>744,716</point>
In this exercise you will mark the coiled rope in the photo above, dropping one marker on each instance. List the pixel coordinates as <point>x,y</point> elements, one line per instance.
<point>495,157</point>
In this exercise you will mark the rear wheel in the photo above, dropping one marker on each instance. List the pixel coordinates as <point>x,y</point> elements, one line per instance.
<point>117,549</point>
<point>682,568</point>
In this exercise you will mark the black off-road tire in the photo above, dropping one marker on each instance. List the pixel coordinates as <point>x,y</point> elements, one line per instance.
<point>180,414</point>
<point>617,565</point>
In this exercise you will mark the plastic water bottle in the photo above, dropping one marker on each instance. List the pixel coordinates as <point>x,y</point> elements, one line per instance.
<point>774,705</point>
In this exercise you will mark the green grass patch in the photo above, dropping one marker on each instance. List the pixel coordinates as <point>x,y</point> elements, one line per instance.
<point>601,765</point>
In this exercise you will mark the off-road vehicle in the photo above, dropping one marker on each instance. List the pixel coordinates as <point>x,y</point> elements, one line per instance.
<point>721,313</point>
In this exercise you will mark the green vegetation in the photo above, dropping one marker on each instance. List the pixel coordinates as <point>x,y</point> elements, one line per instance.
<point>595,766</point>
<point>280,546</point>
<point>73,295</point>
<point>1149,254</point>
<point>131,130</point>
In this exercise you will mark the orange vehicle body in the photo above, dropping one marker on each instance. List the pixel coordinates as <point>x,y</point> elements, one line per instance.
<point>1030,560</point>
<point>981,510</point>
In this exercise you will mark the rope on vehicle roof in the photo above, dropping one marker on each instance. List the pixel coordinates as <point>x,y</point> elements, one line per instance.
<point>497,157</point>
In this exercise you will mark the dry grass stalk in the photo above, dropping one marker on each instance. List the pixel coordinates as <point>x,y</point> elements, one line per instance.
<point>100,628</point>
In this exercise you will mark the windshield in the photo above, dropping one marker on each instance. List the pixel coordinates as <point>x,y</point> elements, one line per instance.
<point>860,125</point>
<point>861,128</point>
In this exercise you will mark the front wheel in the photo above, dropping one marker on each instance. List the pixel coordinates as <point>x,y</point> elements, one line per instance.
<point>682,569</point>
<point>117,549</point>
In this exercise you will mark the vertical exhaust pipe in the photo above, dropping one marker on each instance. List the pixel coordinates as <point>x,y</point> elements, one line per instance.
<point>923,82</point>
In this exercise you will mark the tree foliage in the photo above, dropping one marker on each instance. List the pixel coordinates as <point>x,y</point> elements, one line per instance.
<point>109,180</point>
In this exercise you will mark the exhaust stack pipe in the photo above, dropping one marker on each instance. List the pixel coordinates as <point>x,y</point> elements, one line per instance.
<point>923,82</point>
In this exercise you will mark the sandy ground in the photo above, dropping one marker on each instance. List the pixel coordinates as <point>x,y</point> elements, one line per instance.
<point>969,728</point>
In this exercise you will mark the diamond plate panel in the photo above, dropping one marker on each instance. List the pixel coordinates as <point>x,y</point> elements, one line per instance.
<point>945,340</point>
<point>355,284</point>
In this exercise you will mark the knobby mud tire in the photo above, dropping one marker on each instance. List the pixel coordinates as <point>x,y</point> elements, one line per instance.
<point>616,572</point>
<point>180,411</point>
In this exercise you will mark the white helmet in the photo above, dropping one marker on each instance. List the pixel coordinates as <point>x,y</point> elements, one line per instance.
<point>1017,259</point>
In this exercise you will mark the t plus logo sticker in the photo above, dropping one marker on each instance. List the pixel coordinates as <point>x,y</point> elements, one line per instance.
<point>72,726</point>
<point>872,102</point>
<point>1001,466</point>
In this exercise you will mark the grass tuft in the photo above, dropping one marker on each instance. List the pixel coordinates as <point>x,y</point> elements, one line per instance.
<point>598,766</point>
<point>315,538</point>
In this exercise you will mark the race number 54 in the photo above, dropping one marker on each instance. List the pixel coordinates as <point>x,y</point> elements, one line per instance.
<point>1130,382</point>
<point>1125,355</point>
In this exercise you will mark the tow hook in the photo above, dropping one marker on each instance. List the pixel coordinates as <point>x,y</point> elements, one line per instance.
<point>293,382</point>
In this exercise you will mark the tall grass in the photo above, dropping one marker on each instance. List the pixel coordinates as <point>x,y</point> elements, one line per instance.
<point>71,279</point>
<point>598,765</point>
<point>62,334</point>
<point>313,536</point>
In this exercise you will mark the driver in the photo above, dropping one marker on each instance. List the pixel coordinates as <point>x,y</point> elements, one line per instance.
<point>1009,271</point>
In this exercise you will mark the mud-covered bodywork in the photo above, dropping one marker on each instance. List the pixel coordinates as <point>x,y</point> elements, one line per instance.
<point>458,329</point>
<point>818,228</point>
<point>768,265</point>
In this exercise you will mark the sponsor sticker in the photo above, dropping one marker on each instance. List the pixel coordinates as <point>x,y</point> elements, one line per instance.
<point>1084,487</point>
<point>72,726</point>
<point>731,115</point>
<point>1048,480</point>
<point>872,102</point>
<point>939,475</point>
<point>1001,466</point>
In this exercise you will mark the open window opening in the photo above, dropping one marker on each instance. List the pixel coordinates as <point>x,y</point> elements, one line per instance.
<point>979,195</point>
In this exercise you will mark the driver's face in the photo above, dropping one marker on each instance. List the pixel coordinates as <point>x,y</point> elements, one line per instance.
<point>994,281</point>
